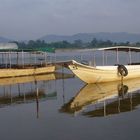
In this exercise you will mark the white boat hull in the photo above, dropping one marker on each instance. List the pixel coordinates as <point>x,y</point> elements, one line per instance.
<point>100,74</point>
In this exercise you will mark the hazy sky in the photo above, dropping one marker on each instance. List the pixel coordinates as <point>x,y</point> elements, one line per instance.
<point>31,19</point>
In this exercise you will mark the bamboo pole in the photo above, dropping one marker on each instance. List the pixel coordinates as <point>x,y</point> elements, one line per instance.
<point>9,54</point>
<point>17,59</point>
<point>106,58</point>
<point>130,57</point>
<point>37,102</point>
<point>11,94</point>
<point>6,60</point>
<point>45,58</point>
<point>24,93</point>
<point>22,59</point>
<point>104,108</point>
<point>2,58</point>
<point>117,55</point>
<point>30,57</point>
<point>35,59</point>
<point>103,53</point>
<point>94,58</point>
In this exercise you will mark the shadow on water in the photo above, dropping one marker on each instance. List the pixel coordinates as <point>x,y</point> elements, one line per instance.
<point>104,99</point>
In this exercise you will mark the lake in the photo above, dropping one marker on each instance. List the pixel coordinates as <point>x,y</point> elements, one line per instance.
<point>62,107</point>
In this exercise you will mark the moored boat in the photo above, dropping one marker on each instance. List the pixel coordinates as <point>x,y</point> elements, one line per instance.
<point>15,72</point>
<point>14,63</point>
<point>97,74</point>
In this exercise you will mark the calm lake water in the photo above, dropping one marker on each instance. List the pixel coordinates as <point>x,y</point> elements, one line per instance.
<point>62,107</point>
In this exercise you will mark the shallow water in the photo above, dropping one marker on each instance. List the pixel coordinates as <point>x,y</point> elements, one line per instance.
<point>65,108</point>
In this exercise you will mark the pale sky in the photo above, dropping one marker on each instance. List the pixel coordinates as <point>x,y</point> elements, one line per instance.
<point>32,19</point>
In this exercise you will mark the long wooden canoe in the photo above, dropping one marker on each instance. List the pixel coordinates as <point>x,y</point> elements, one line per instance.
<point>15,72</point>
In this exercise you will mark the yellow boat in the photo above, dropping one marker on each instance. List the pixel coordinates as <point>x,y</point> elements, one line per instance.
<point>13,63</point>
<point>15,72</point>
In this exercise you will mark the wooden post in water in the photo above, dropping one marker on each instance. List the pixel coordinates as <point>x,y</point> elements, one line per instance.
<point>138,57</point>
<point>22,59</point>
<point>54,58</point>
<point>81,56</point>
<point>11,94</point>
<point>131,102</point>
<point>37,96</point>
<point>5,59</point>
<point>9,55</point>
<point>2,59</point>
<point>117,56</point>
<point>24,93</point>
<point>37,102</point>
<point>63,86</point>
<point>18,89</point>
<point>30,57</point>
<point>104,108</point>
<point>94,58</point>
<point>35,59</point>
<point>45,58</point>
<point>106,57</point>
<point>119,104</point>
<point>17,59</point>
<point>130,57</point>
<point>103,53</point>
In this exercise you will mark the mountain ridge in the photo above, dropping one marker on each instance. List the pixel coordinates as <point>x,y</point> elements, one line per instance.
<point>4,40</point>
<point>87,37</point>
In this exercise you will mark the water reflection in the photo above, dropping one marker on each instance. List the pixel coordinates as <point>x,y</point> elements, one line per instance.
<point>27,79</point>
<point>28,89</point>
<point>104,99</point>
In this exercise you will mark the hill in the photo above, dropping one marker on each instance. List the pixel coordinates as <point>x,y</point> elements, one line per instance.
<point>3,40</point>
<point>87,37</point>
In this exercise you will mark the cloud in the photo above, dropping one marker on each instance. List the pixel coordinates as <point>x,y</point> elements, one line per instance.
<point>28,19</point>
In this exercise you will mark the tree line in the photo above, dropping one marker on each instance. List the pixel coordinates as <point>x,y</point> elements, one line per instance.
<point>95,43</point>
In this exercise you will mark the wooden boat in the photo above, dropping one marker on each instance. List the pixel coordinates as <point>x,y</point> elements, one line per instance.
<point>32,70</point>
<point>92,94</point>
<point>97,74</point>
<point>13,63</point>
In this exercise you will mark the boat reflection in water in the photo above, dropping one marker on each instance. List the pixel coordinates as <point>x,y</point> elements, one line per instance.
<point>27,79</point>
<point>95,100</point>
<point>28,89</point>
